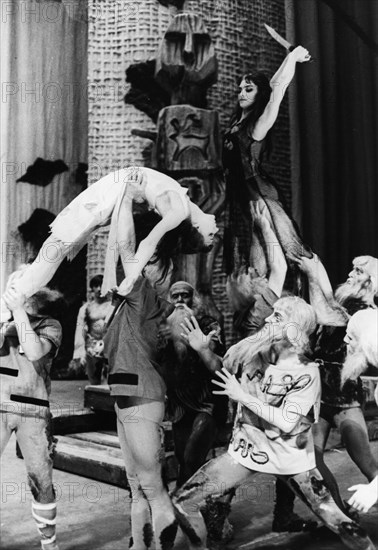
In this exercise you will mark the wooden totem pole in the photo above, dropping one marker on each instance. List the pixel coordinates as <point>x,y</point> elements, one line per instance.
<point>187,143</point>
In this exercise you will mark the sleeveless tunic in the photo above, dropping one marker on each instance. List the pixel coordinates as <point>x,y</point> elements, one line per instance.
<point>246,181</point>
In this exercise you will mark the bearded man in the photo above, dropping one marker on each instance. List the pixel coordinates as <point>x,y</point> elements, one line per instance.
<point>277,389</point>
<point>341,399</point>
<point>191,354</point>
<point>362,343</point>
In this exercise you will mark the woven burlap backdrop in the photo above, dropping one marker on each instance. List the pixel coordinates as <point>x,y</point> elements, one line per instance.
<point>123,33</point>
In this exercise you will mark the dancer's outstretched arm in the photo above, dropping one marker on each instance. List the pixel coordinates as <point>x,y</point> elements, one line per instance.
<point>279,83</point>
<point>146,250</point>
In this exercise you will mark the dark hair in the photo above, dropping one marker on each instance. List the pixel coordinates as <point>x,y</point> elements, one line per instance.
<point>49,302</point>
<point>183,239</point>
<point>264,91</point>
<point>205,323</point>
<point>96,281</point>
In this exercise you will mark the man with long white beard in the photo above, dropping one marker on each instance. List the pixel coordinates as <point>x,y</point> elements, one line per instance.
<point>190,356</point>
<point>362,343</point>
<point>341,402</point>
<point>278,393</point>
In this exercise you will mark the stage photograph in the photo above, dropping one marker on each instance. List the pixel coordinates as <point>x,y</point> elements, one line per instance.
<point>189,275</point>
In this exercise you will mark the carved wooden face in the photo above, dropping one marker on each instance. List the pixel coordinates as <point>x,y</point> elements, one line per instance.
<point>186,52</point>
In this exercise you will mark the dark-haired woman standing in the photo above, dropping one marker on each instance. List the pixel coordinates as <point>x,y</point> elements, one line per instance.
<point>246,144</point>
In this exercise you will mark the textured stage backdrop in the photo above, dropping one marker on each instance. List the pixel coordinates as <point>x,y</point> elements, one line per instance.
<point>43,112</point>
<point>121,34</point>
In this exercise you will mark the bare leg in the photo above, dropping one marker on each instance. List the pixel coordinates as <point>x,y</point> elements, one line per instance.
<point>353,430</point>
<point>36,443</point>
<point>139,428</point>
<point>5,432</point>
<point>44,267</point>
<point>258,256</point>
<point>320,431</point>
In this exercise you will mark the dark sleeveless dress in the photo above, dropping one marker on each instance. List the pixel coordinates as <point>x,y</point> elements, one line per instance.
<point>246,180</point>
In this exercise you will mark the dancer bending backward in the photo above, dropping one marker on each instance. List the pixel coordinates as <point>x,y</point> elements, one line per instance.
<point>272,431</point>
<point>245,146</point>
<point>28,345</point>
<point>103,203</point>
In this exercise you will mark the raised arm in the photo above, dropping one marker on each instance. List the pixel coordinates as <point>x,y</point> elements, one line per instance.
<point>279,83</point>
<point>34,346</point>
<point>328,311</point>
<point>135,264</point>
<point>200,342</point>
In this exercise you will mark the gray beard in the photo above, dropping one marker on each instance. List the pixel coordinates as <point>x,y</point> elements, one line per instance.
<point>267,340</point>
<point>354,365</point>
<point>174,321</point>
<point>347,291</point>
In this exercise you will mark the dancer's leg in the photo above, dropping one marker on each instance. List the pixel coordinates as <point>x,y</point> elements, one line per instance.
<point>5,431</point>
<point>37,446</point>
<point>140,424</point>
<point>354,434</point>
<point>218,477</point>
<point>311,488</point>
<point>284,517</point>
<point>181,431</point>
<point>42,270</point>
<point>141,521</point>
<point>286,232</point>
<point>320,432</point>
<point>199,443</point>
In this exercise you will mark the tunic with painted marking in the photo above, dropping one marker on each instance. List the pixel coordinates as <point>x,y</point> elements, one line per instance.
<point>23,381</point>
<point>260,445</point>
<point>131,342</point>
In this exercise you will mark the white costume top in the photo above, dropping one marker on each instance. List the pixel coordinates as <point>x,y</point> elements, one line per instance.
<point>99,205</point>
<point>261,446</point>
<point>94,206</point>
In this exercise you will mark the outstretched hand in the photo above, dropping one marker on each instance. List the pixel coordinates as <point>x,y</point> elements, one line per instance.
<point>301,55</point>
<point>310,266</point>
<point>196,339</point>
<point>230,386</point>
<point>260,214</point>
<point>364,497</point>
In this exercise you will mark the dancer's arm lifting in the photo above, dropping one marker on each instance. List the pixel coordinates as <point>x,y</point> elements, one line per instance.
<point>279,82</point>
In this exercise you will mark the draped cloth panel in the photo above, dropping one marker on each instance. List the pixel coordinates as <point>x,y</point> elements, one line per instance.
<point>43,112</point>
<point>334,129</point>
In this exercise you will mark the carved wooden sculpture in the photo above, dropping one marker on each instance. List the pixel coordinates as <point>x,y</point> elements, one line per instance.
<point>186,64</point>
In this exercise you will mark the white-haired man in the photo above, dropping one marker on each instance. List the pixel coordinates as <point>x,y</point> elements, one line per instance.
<point>362,344</point>
<point>341,402</point>
<point>278,396</point>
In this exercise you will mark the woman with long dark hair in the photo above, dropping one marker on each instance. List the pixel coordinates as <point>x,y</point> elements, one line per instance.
<point>246,145</point>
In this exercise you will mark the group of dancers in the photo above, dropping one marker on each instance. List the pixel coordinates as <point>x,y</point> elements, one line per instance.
<point>293,375</point>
